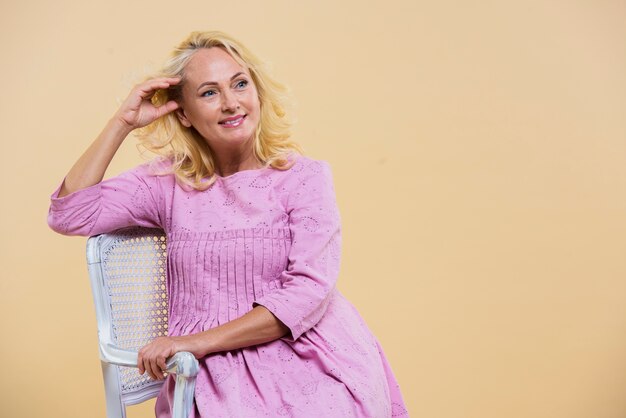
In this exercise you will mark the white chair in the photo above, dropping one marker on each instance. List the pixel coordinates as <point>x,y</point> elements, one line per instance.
<point>128,274</point>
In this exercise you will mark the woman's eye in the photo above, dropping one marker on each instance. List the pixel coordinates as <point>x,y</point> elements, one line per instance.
<point>206,93</point>
<point>242,83</point>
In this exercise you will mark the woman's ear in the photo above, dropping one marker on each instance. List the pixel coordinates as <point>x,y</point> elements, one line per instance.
<point>182,117</point>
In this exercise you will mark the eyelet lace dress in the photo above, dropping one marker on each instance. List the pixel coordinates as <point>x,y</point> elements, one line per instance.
<point>257,237</point>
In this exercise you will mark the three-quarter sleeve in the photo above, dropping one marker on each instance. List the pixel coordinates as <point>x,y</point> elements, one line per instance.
<point>314,256</point>
<point>121,201</point>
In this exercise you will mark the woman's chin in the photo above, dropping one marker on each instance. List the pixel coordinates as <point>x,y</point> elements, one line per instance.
<point>239,139</point>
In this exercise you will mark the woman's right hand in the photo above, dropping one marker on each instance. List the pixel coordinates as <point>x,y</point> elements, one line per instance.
<point>138,111</point>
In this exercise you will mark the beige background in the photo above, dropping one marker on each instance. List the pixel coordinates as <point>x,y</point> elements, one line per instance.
<point>478,150</point>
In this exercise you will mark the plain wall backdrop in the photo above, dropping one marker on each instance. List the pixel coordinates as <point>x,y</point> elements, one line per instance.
<point>479,156</point>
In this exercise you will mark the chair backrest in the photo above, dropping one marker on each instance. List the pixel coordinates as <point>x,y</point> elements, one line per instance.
<point>128,273</point>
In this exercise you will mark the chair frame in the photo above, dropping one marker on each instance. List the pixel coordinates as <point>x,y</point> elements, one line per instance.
<point>183,364</point>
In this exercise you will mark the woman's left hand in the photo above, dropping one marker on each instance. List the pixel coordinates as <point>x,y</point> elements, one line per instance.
<point>152,356</point>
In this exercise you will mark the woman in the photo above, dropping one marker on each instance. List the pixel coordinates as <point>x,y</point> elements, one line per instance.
<point>253,242</point>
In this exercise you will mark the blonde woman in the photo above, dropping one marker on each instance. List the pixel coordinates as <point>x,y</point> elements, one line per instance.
<point>253,242</point>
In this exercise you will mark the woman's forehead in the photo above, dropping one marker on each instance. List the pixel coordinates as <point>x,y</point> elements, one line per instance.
<point>213,65</point>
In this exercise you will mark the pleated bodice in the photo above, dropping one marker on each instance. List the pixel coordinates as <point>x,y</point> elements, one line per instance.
<point>215,276</point>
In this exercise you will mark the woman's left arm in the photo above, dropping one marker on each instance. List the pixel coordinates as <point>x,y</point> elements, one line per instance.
<point>257,326</point>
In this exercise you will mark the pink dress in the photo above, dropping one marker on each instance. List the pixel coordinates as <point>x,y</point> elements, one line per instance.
<point>257,237</point>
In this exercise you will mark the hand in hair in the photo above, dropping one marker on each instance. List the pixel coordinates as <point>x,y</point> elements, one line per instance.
<point>138,110</point>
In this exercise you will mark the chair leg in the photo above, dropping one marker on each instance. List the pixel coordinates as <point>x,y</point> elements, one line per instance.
<point>112,390</point>
<point>183,396</point>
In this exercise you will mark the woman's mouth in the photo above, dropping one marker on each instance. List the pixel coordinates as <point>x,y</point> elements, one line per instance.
<point>233,123</point>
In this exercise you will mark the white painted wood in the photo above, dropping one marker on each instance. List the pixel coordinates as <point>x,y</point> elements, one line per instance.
<point>114,261</point>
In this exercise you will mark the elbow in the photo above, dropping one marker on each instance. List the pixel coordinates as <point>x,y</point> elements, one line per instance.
<point>56,224</point>
<point>283,330</point>
<point>69,225</point>
<point>315,315</point>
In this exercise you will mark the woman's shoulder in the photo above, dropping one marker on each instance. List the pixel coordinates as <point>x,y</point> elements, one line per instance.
<point>154,173</point>
<point>160,163</point>
<point>158,166</point>
<point>305,165</point>
<point>163,165</point>
<point>161,169</point>
<point>306,173</point>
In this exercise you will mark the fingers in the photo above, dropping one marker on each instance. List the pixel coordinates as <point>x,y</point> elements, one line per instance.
<point>140,363</point>
<point>148,88</point>
<point>166,108</point>
<point>151,359</point>
<point>138,110</point>
<point>154,370</point>
<point>161,364</point>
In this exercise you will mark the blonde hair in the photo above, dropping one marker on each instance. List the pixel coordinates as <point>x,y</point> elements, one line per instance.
<point>190,156</point>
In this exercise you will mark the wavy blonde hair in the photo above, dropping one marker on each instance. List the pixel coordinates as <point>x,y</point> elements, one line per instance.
<point>190,156</point>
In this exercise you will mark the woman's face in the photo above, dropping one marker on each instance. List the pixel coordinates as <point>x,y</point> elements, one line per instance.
<point>220,100</point>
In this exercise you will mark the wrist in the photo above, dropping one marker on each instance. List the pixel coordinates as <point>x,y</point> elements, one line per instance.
<point>119,126</point>
<point>205,342</point>
<point>196,344</point>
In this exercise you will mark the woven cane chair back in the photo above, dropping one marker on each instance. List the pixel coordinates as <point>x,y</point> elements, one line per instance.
<point>135,271</point>
<point>128,272</point>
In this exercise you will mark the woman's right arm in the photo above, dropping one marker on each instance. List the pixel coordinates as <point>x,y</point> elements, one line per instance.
<point>135,112</point>
<point>91,166</point>
<point>84,204</point>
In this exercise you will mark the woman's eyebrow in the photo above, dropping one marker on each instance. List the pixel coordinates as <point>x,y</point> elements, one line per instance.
<point>206,83</point>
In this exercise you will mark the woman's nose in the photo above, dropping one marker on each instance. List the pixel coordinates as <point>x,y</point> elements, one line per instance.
<point>229,101</point>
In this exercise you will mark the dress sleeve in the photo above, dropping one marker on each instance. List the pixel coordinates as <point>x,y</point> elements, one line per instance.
<point>314,257</point>
<point>125,200</point>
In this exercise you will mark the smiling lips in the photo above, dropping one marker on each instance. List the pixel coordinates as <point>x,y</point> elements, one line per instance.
<point>233,122</point>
